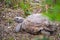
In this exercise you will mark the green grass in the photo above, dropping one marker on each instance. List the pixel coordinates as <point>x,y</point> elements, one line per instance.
<point>37,38</point>
<point>44,38</point>
<point>25,6</point>
<point>53,13</point>
<point>11,38</point>
<point>53,16</point>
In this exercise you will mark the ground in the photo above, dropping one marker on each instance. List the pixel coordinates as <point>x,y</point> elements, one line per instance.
<point>9,24</point>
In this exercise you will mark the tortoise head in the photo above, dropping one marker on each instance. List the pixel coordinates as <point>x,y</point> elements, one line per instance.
<point>19,19</point>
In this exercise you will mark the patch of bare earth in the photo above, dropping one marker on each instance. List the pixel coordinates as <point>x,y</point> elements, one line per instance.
<point>9,25</point>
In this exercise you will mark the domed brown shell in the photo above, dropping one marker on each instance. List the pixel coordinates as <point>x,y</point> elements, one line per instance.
<point>34,23</point>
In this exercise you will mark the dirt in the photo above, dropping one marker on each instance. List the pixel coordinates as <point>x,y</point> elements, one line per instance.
<point>8,25</point>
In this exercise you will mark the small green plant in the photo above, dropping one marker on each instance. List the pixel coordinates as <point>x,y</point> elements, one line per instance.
<point>11,38</point>
<point>58,35</point>
<point>26,7</point>
<point>10,21</point>
<point>11,3</point>
<point>45,38</point>
<point>37,38</point>
<point>7,3</point>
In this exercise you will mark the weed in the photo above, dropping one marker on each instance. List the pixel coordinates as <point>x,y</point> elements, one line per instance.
<point>11,38</point>
<point>37,38</point>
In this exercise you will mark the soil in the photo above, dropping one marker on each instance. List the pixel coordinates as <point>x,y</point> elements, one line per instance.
<point>8,25</point>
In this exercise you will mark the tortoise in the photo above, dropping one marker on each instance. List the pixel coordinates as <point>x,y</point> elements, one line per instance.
<point>36,24</point>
